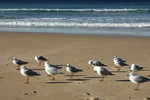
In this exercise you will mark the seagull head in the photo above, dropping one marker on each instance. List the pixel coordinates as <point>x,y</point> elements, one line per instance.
<point>23,67</point>
<point>68,65</point>
<point>130,74</point>
<point>90,62</point>
<point>115,56</point>
<point>14,58</point>
<point>37,57</point>
<point>46,63</point>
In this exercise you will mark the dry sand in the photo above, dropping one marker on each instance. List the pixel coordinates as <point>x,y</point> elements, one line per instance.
<point>76,50</point>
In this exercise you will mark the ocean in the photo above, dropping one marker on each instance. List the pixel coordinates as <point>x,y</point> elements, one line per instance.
<point>94,18</point>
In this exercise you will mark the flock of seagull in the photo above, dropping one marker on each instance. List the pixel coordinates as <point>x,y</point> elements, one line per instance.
<point>98,68</point>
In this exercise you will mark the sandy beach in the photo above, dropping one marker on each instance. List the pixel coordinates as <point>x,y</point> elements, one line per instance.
<point>76,50</point>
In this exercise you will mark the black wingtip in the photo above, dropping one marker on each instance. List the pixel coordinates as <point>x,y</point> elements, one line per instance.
<point>26,62</point>
<point>126,64</point>
<point>46,59</point>
<point>104,65</point>
<point>80,70</point>
<point>60,67</point>
<point>36,74</point>
<point>112,74</point>
<point>141,67</point>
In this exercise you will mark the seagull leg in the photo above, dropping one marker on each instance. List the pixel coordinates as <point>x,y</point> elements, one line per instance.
<point>52,77</point>
<point>136,72</point>
<point>118,68</point>
<point>39,63</point>
<point>27,82</point>
<point>71,75</point>
<point>43,64</point>
<point>137,87</point>
<point>18,68</point>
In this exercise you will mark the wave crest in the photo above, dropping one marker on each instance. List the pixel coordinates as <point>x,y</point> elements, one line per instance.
<point>77,10</point>
<point>81,25</point>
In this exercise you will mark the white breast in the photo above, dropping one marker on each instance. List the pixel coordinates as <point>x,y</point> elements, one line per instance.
<point>14,62</point>
<point>68,70</point>
<point>22,71</point>
<point>99,71</point>
<point>96,68</point>
<point>47,69</point>
<point>116,62</point>
<point>132,67</point>
<point>132,79</point>
<point>36,58</point>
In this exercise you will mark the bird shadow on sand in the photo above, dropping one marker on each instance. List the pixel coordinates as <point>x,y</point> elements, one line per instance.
<point>1,77</point>
<point>59,65</point>
<point>148,75</point>
<point>122,80</point>
<point>77,79</point>
<point>57,82</point>
<point>92,77</point>
<point>118,71</point>
<point>145,70</point>
<point>75,75</point>
<point>140,66</point>
<point>38,69</point>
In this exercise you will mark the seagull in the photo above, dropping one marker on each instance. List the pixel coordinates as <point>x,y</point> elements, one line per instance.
<point>137,79</point>
<point>119,62</point>
<point>102,71</point>
<point>72,70</point>
<point>95,63</point>
<point>95,68</point>
<point>40,59</point>
<point>18,62</point>
<point>120,59</point>
<point>50,65</point>
<point>50,70</point>
<point>27,72</point>
<point>136,68</point>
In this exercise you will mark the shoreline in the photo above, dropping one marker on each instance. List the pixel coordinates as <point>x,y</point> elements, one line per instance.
<point>75,34</point>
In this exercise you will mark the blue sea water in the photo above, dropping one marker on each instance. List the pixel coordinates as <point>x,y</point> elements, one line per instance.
<point>107,18</point>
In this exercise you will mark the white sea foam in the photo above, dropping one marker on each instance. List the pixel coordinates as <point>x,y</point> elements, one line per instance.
<point>73,24</point>
<point>80,10</point>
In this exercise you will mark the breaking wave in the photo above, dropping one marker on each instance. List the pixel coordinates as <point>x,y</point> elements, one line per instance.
<point>77,10</point>
<point>73,24</point>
